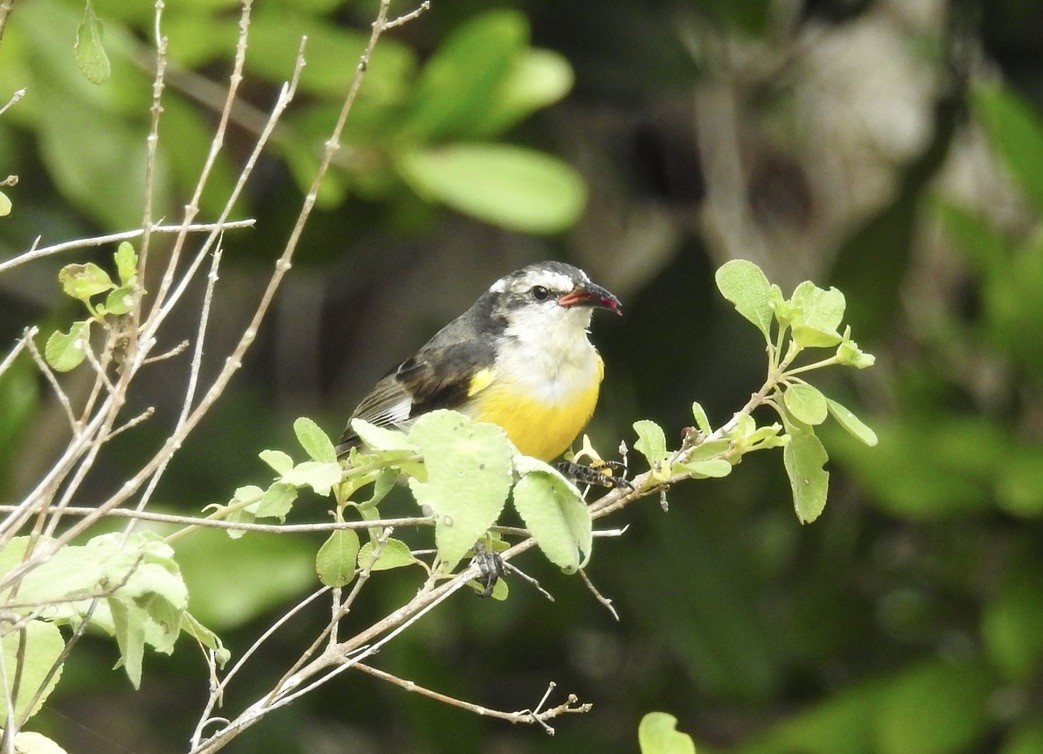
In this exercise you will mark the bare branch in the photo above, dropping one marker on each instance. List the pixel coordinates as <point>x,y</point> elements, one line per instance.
<point>126,235</point>
<point>14,97</point>
<point>28,334</point>
<point>48,373</point>
<point>571,705</point>
<point>211,523</point>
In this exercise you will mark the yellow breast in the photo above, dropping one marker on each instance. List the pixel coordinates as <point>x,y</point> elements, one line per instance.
<point>538,428</point>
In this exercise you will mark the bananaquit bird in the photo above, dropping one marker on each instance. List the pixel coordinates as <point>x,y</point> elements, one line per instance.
<point>519,358</point>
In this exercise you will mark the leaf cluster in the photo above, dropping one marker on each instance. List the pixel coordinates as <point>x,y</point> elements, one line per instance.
<point>127,586</point>
<point>809,320</point>
<point>65,351</point>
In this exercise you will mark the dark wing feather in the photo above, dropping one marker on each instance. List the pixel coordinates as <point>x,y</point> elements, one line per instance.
<point>439,376</point>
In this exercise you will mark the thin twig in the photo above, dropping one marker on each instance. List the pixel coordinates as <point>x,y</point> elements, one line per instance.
<point>598,595</point>
<point>14,99</point>
<point>216,144</point>
<point>48,373</point>
<point>407,17</point>
<point>130,424</point>
<point>177,350</point>
<point>522,716</point>
<point>19,346</point>
<point>193,377</point>
<point>529,579</point>
<point>209,523</point>
<point>126,235</point>
<point>218,690</point>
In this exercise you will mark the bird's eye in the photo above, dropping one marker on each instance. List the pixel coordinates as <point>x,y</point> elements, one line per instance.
<point>540,293</point>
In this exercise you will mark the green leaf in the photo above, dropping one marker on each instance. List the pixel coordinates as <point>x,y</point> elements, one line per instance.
<point>39,647</point>
<point>277,501</point>
<point>28,742</point>
<point>701,419</point>
<point>651,441</point>
<point>146,595</point>
<point>382,485</point>
<point>1014,130</point>
<point>5,204</point>
<point>129,627</point>
<point>847,419</point>
<point>806,403</point>
<point>89,51</point>
<point>315,442</point>
<point>126,259</point>
<point>658,734</point>
<point>804,458</point>
<point>394,553</point>
<point>555,514</point>
<point>320,476</point>
<point>536,79</point>
<point>849,354</point>
<point>743,284</point>
<point>820,314</point>
<point>81,281</point>
<point>382,438</point>
<point>332,54</point>
<point>711,467</point>
<point>464,77</point>
<point>335,561</point>
<point>278,460</point>
<point>65,351</point>
<point>708,449</point>
<point>516,188</point>
<point>120,300</point>
<point>207,638</point>
<point>469,473</point>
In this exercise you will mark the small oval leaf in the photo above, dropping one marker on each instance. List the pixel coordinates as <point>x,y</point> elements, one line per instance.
<point>855,426</point>
<point>65,351</point>
<point>89,50</point>
<point>335,560</point>
<point>315,442</point>
<point>513,187</point>
<point>806,403</point>
<point>744,284</point>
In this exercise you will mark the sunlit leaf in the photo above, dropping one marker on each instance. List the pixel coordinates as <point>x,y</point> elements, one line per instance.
<point>556,516</point>
<point>89,50</point>
<point>651,441</point>
<point>65,351</point>
<point>855,426</point>
<point>657,734</point>
<point>804,458</point>
<point>81,281</point>
<point>469,473</point>
<point>28,655</point>
<point>743,284</point>
<point>394,553</point>
<point>315,442</point>
<point>513,187</point>
<point>806,403</point>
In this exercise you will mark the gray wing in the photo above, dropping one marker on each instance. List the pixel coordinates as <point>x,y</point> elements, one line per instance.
<point>439,376</point>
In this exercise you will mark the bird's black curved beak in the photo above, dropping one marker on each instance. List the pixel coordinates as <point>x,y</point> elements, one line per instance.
<point>591,294</point>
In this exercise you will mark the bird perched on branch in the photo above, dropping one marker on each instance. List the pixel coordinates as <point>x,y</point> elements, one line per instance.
<point>519,358</point>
